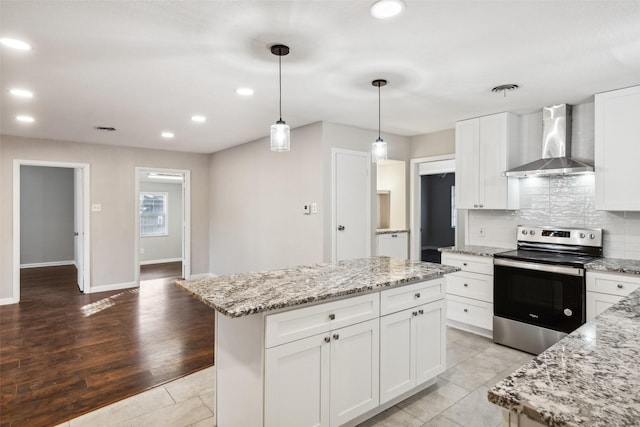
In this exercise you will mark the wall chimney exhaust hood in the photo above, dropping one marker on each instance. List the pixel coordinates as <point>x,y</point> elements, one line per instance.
<point>556,147</point>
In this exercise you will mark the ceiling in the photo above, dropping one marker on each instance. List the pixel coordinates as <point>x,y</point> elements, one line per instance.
<point>144,67</point>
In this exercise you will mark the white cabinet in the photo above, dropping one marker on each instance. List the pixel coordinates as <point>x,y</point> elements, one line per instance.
<point>412,344</point>
<point>617,133</point>
<point>393,245</point>
<point>606,289</point>
<point>485,149</point>
<point>470,292</point>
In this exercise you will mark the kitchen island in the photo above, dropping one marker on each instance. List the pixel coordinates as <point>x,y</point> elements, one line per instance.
<point>328,344</point>
<point>589,378</point>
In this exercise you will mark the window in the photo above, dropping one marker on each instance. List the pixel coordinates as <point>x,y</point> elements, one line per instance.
<point>153,214</point>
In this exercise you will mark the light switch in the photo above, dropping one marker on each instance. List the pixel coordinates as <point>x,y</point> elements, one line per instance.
<point>306,209</point>
<point>96,207</point>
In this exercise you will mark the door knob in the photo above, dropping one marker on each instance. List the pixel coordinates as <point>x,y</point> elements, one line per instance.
<point>341,228</point>
<point>75,233</point>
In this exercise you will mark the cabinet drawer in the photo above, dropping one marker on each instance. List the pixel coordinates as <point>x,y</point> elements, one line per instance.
<point>404,297</point>
<point>471,285</point>
<point>474,264</point>
<point>597,303</point>
<point>470,311</point>
<point>304,322</point>
<point>615,284</point>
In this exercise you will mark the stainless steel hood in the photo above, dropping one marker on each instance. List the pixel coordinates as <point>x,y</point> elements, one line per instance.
<point>556,147</point>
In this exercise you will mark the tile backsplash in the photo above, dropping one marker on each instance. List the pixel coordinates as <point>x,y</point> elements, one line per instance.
<point>565,201</point>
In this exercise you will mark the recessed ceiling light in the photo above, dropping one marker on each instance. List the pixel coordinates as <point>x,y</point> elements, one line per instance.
<point>244,91</point>
<point>167,134</point>
<point>15,44</point>
<point>21,93</point>
<point>384,9</point>
<point>25,119</point>
<point>199,119</point>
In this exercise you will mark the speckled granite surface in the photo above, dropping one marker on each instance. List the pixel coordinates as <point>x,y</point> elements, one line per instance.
<point>391,230</point>
<point>248,293</point>
<point>615,265</point>
<point>474,250</point>
<point>589,378</point>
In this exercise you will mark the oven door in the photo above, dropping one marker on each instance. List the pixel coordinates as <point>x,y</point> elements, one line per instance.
<point>545,295</point>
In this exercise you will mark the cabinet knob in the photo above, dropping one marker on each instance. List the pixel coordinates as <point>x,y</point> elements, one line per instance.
<point>332,317</point>
<point>327,339</point>
<point>482,206</point>
<point>336,336</point>
<point>415,313</point>
<point>417,295</point>
<point>464,264</point>
<point>421,311</point>
<point>475,206</point>
<point>620,286</point>
<point>466,285</point>
<point>466,310</point>
<point>394,235</point>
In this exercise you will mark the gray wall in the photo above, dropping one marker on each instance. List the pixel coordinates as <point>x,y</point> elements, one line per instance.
<point>433,144</point>
<point>46,215</point>
<point>161,248</point>
<point>113,186</point>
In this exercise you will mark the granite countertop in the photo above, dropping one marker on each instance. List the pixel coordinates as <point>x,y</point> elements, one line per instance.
<point>487,251</point>
<point>615,265</point>
<point>248,293</point>
<point>391,230</point>
<point>589,378</point>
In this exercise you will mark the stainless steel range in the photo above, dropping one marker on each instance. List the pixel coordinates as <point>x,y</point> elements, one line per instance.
<point>539,289</point>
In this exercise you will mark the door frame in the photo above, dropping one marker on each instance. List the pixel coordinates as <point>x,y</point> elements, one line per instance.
<point>334,194</point>
<point>86,217</point>
<point>415,236</point>
<point>186,219</point>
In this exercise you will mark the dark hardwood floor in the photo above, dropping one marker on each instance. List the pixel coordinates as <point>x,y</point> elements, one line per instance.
<point>64,353</point>
<point>161,271</point>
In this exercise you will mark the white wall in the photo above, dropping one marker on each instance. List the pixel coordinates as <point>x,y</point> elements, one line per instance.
<point>433,144</point>
<point>113,186</point>
<point>46,215</point>
<point>169,247</point>
<point>392,177</point>
<point>257,198</point>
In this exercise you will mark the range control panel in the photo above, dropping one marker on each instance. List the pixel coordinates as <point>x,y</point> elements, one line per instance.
<point>564,236</point>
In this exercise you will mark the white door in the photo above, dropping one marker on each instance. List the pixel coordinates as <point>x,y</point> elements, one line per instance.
<point>352,211</point>
<point>430,341</point>
<point>78,241</point>
<point>297,383</point>
<point>397,354</point>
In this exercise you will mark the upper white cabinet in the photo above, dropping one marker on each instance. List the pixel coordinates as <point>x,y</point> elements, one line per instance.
<point>484,151</point>
<point>617,149</point>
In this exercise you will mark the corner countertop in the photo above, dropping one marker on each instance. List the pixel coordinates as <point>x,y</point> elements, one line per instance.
<point>248,293</point>
<point>589,378</point>
<point>391,230</point>
<point>615,265</point>
<point>487,251</point>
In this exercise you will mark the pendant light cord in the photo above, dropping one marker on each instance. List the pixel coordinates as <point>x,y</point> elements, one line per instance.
<point>379,111</point>
<point>280,83</point>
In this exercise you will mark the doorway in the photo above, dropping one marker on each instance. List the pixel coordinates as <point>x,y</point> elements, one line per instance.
<point>437,214</point>
<point>162,224</point>
<point>51,228</point>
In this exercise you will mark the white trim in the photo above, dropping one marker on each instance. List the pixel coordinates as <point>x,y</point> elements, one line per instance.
<point>186,219</point>
<point>334,213</point>
<point>159,261</point>
<point>414,202</point>
<point>7,301</point>
<point>113,287</point>
<point>86,177</point>
<point>203,276</point>
<point>47,264</point>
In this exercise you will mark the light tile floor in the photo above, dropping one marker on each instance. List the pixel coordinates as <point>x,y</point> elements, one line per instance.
<point>459,398</point>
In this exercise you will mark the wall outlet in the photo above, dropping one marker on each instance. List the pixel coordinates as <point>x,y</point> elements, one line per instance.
<point>96,207</point>
<point>141,251</point>
<point>314,207</point>
<point>481,232</point>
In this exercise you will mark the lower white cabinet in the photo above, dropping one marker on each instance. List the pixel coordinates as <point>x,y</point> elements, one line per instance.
<point>324,380</point>
<point>412,348</point>
<point>393,244</point>
<point>606,289</point>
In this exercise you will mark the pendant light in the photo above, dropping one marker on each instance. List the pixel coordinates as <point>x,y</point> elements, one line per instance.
<point>280,140</point>
<point>379,148</point>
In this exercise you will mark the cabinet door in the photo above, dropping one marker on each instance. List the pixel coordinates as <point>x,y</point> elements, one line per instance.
<point>393,245</point>
<point>297,383</point>
<point>397,350</point>
<point>617,132</point>
<point>430,341</point>
<point>597,303</point>
<point>355,387</point>
<point>467,151</point>
<point>492,192</point>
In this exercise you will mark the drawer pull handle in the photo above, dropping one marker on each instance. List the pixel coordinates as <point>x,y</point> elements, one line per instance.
<point>332,317</point>
<point>466,310</point>
<point>421,311</point>
<point>415,313</point>
<point>336,336</point>
<point>418,295</point>
<point>327,339</point>
<point>466,285</point>
<point>464,264</point>
<point>620,286</point>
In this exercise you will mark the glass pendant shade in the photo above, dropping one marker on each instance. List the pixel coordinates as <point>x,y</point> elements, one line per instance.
<point>280,136</point>
<point>378,150</point>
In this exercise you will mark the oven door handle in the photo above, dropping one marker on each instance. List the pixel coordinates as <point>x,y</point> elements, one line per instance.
<point>560,269</point>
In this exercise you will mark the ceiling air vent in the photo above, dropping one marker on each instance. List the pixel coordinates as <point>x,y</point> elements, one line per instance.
<point>105,128</point>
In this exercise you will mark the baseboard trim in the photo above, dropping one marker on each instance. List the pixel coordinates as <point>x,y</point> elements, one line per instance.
<point>160,261</point>
<point>470,328</point>
<point>202,276</point>
<point>113,287</point>
<point>7,301</point>
<point>47,264</point>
